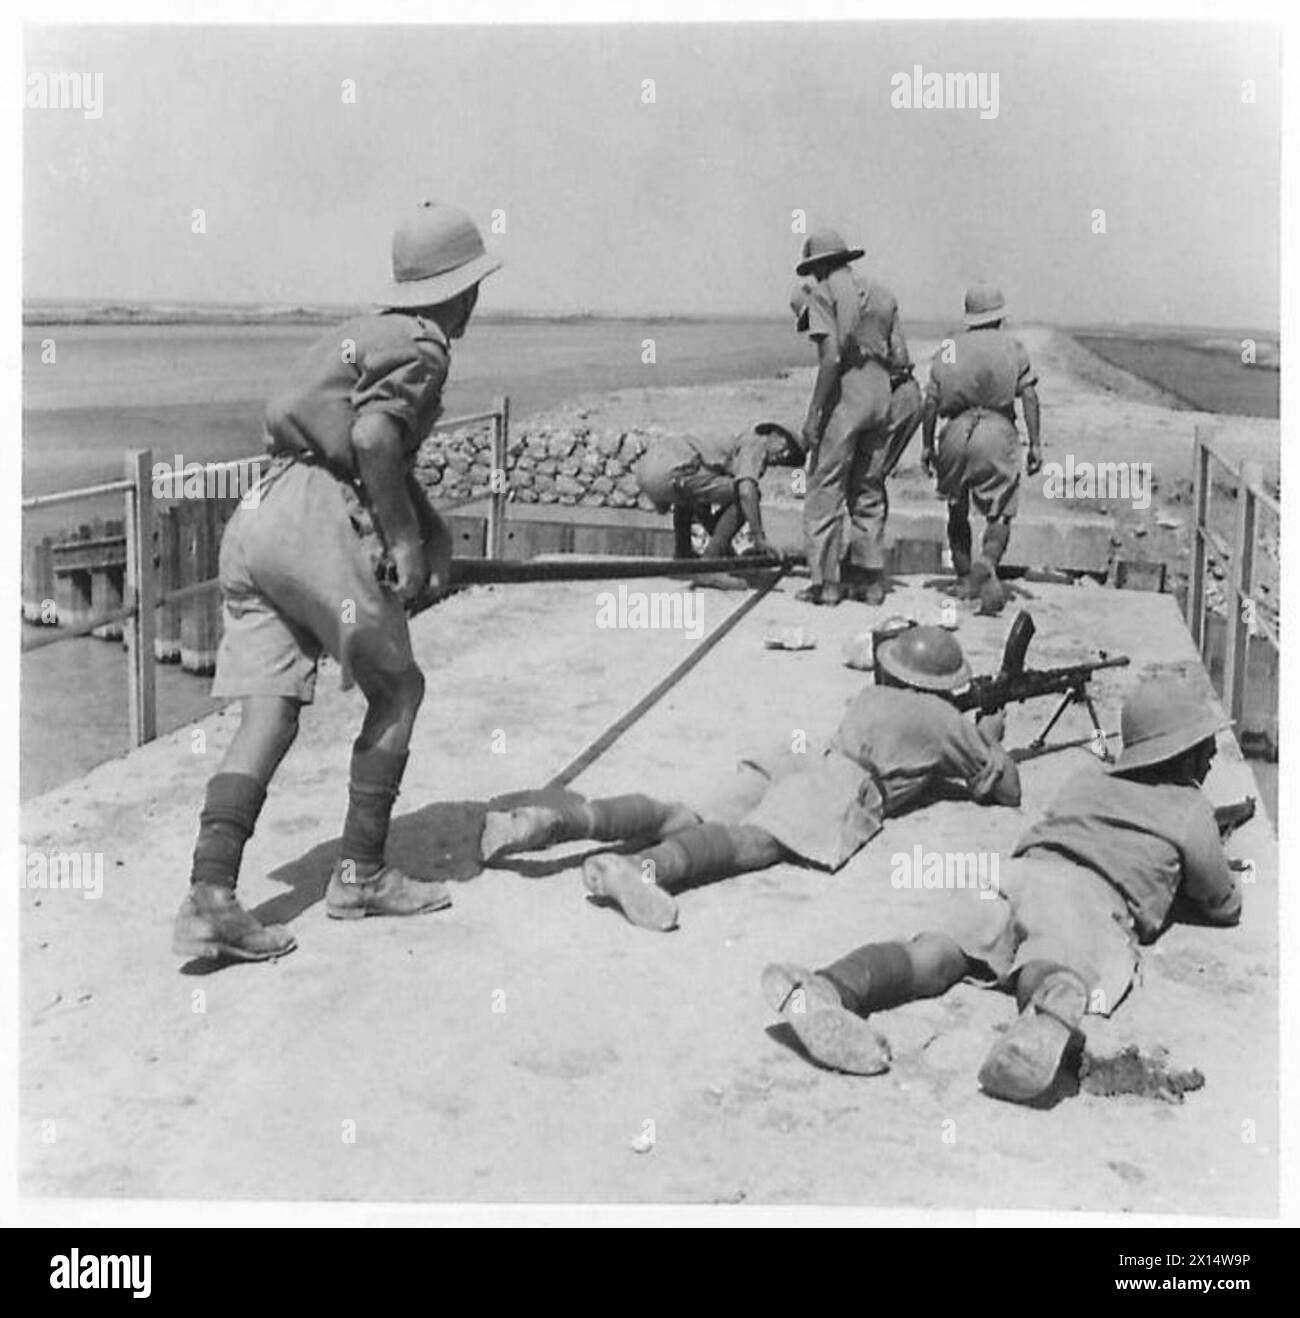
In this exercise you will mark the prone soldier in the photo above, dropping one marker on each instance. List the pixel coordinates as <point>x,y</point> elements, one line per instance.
<point>1121,853</point>
<point>896,744</point>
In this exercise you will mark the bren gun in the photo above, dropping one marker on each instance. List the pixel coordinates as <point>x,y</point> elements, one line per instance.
<point>1013,682</point>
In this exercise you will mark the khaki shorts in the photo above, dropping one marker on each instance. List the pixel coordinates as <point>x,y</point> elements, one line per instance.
<point>978,460</point>
<point>672,473</point>
<point>1048,909</point>
<point>820,805</point>
<point>298,580</point>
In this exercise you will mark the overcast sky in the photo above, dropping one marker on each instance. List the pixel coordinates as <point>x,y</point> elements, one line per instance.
<point>681,205</point>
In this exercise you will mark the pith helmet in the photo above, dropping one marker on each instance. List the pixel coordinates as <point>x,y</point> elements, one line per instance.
<point>984,305</point>
<point>823,243</point>
<point>438,253</point>
<point>1162,719</point>
<point>928,658</point>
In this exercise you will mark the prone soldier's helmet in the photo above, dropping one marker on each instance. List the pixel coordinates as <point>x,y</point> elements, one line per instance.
<point>438,253</point>
<point>1160,720</point>
<point>926,658</point>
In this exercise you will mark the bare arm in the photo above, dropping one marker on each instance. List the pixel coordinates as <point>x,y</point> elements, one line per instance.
<point>1029,402</point>
<point>748,495</point>
<point>1006,790</point>
<point>377,441</point>
<point>929,415</point>
<point>828,379</point>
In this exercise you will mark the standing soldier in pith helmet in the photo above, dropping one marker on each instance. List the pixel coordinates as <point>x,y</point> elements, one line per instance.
<point>896,744</point>
<point>864,409</point>
<point>341,540</point>
<point>974,384</point>
<point>1094,878</point>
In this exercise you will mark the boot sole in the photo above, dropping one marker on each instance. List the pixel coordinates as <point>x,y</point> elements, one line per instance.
<point>207,949</point>
<point>831,1035</point>
<point>644,904</point>
<point>363,912</point>
<point>1017,1070</point>
<point>837,1039</point>
<point>504,843</point>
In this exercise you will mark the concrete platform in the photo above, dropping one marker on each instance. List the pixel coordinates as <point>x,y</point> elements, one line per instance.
<point>1066,541</point>
<point>513,1047</point>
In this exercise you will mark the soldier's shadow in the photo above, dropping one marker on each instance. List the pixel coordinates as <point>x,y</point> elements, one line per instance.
<point>1014,588</point>
<point>437,841</point>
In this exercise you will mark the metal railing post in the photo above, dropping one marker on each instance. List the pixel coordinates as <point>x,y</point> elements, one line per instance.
<point>139,629</point>
<point>1200,514</point>
<point>499,489</point>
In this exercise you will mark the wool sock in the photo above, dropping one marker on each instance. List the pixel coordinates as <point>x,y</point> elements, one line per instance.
<point>230,809</point>
<point>711,851</point>
<point>374,778</point>
<point>874,977</point>
<point>626,818</point>
<point>996,535</point>
<point>959,540</point>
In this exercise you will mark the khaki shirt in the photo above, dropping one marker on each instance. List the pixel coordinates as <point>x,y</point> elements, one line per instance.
<point>912,740</point>
<point>991,369</point>
<point>742,457</point>
<point>862,317</point>
<point>1148,841</point>
<point>392,364</point>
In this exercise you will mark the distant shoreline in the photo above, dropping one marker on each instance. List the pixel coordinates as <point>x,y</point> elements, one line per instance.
<point>108,312</point>
<point>215,315</point>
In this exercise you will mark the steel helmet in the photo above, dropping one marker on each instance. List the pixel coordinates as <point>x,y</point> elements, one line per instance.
<point>928,658</point>
<point>1163,718</point>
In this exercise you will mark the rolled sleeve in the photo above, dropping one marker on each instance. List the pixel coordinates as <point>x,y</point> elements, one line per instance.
<point>821,316</point>
<point>750,461</point>
<point>402,380</point>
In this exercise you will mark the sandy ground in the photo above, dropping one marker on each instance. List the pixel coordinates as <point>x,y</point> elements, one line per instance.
<point>513,1047</point>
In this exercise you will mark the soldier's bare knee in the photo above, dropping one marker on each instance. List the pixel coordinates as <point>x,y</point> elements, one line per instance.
<point>936,958</point>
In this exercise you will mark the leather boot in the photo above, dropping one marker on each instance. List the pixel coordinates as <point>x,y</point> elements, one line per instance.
<point>389,892</point>
<point>1023,1064</point>
<point>526,828</point>
<point>621,879</point>
<point>212,923</point>
<point>833,1036</point>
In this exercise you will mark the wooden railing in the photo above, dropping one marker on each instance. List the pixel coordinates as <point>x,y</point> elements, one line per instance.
<point>1245,612</point>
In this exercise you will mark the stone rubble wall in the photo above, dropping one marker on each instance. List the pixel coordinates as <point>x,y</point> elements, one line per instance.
<point>546,462</point>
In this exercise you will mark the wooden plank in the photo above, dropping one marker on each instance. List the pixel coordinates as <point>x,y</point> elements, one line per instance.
<point>142,588</point>
<point>200,617</point>
<point>167,643</point>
